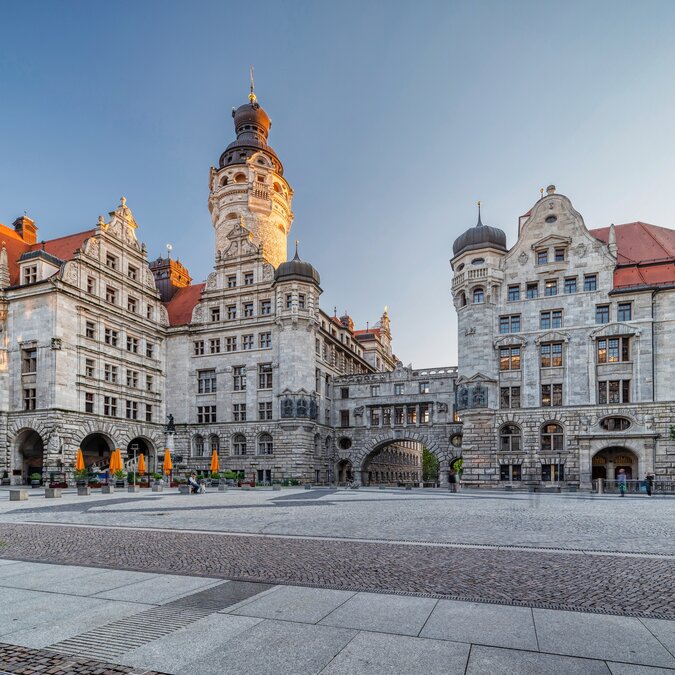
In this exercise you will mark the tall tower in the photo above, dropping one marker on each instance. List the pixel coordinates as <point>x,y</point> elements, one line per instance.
<point>248,187</point>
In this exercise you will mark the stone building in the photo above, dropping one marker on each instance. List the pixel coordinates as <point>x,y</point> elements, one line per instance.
<point>565,365</point>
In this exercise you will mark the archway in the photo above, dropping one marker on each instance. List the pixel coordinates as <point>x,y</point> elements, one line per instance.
<point>96,449</point>
<point>394,462</point>
<point>143,445</point>
<point>29,454</point>
<point>344,471</point>
<point>607,463</point>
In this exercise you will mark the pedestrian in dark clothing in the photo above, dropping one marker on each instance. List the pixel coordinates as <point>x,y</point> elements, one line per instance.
<point>649,480</point>
<point>621,480</point>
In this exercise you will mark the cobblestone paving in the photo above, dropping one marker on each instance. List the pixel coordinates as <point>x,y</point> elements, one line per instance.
<point>22,661</point>
<point>555,580</point>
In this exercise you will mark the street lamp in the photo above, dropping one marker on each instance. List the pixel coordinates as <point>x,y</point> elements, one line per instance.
<point>134,447</point>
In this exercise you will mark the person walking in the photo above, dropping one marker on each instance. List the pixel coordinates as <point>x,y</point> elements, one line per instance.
<point>649,480</point>
<point>621,480</point>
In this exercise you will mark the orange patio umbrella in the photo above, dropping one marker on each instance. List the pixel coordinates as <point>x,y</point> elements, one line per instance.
<point>215,466</point>
<point>141,463</point>
<point>79,462</point>
<point>113,462</point>
<point>168,465</point>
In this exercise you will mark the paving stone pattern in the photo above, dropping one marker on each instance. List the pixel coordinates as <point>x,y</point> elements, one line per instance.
<point>582,582</point>
<point>22,661</point>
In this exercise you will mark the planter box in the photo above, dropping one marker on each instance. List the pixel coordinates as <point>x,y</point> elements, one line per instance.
<point>108,490</point>
<point>133,488</point>
<point>81,483</point>
<point>120,484</point>
<point>52,493</point>
<point>222,488</point>
<point>83,491</point>
<point>18,495</point>
<point>157,488</point>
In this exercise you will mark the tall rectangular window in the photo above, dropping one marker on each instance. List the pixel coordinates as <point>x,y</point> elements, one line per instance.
<point>206,381</point>
<point>289,300</point>
<point>301,301</point>
<point>264,410</point>
<point>247,342</point>
<point>199,347</point>
<point>550,287</point>
<point>148,412</point>
<point>132,304</point>
<point>132,272</point>
<point>571,285</point>
<point>231,311</point>
<point>265,306</point>
<point>29,399</point>
<point>111,337</point>
<point>111,295</point>
<point>248,278</point>
<point>232,281</point>
<point>265,340</point>
<point>509,397</point>
<point>542,257</point>
<point>513,293</point>
<point>551,354</point>
<point>30,274</point>
<point>215,313</point>
<point>424,387</point>
<point>532,290</point>
<point>88,402</point>
<point>110,406</point>
<point>239,378</point>
<point>91,285</point>
<point>89,367</point>
<point>509,324</point>
<point>90,330</point>
<point>559,254</point>
<point>110,373</point>
<point>132,379</point>
<point>111,261</point>
<point>149,350</point>
<point>206,414</point>
<point>231,343</point>
<point>624,311</point>
<point>239,412</point>
<point>344,418</point>
<point>374,389</point>
<point>248,309</point>
<point>29,360</point>
<point>265,376</point>
<point>132,410</point>
<point>614,391</point>
<point>509,358</point>
<point>214,346</point>
<point>148,383</point>
<point>551,395</point>
<point>602,314</point>
<point>132,344</point>
<point>590,282</point>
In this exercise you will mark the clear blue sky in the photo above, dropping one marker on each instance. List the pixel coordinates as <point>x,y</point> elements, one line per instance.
<point>391,120</point>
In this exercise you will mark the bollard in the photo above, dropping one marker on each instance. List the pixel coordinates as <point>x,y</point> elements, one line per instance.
<point>83,491</point>
<point>601,486</point>
<point>157,487</point>
<point>222,487</point>
<point>18,495</point>
<point>108,490</point>
<point>52,493</point>
<point>134,488</point>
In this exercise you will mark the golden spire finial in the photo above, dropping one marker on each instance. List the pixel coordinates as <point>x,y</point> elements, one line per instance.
<point>252,97</point>
<point>541,193</point>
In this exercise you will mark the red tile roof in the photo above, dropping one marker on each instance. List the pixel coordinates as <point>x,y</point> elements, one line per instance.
<point>645,256</point>
<point>373,331</point>
<point>64,247</point>
<point>183,302</point>
<point>15,246</point>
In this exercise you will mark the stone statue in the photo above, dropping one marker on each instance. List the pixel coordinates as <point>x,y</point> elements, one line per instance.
<point>171,425</point>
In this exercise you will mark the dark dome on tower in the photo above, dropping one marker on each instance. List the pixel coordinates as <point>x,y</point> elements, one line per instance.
<point>252,126</point>
<point>296,270</point>
<point>480,236</point>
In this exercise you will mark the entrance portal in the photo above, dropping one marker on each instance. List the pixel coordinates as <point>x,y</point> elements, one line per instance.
<point>96,449</point>
<point>140,445</point>
<point>344,471</point>
<point>29,454</point>
<point>608,462</point>
<point>397,462</point>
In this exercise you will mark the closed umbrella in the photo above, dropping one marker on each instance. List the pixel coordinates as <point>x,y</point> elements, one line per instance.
<point>79,462</point>
<point>168,465</point>
<point>141,464</point>
<point>214,462</point>
<point>113,462</point>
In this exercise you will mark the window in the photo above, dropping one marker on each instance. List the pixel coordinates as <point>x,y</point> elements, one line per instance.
<point>478,296</point>
<point>301,301</point>
<point>111,261</point>
<point>215,313</point>
<point>149,312</point>
<point>88,402</point>
<point>513,293</point>
<point>206,414</point>
<point>549,472</point>
<point>265,340</point>
<point>386,416</point>
<point>510,438</point>
<point>89,368</point>
<point>132,410</point>
<point>132,344</point>
<point>111,295</point>
<point>29,360</point>
<point>30,275</point>
<point>424,387</point>
<point>615,423</point>
<point>239,378</point>
<point>613,350</point>
<point>206,381</point>
<point>624,311</point>
<point>132,272</point>
<point>111,337</point>
<point>132,379</point>
<point>90,330</point>
<point>509,397</point>
<point>509,324</point>
<point>510,472</point>
<point>29,399</point>
<point>232,281</point>
<point>148,412</point>
<point>148,383</point>
<point>289,300</point>
<point>602,314</point>
<point>265,410</point>
<point>265,376</point>
<point>542,257</point>
<point>248,309</point>
<point>231,311</point>
<point>199,347</point>
<point>559,254</point>
<point>424,413</point>
<point>509,358</point>
<point>198,446</point>
<point>214,443</point>
<point>149,350</point>
<point>551,395</point>
<point>552,438</point>
<point>265,446</point>
<point>550,287</point>
<point>239,444</point>
<point>532,290</point>
<point>398,389</point>
<point>265,306</point>
<point>344,418</point>
<point>550,319</point>
<point>214,346</point>
<point>412,415</point>
<point>239,412</point>
<point>551,354</point>
<point>614,391</point>
<point>398,415</point>
<point>247,342</point>
<point>571,285</point>
<point>91,285</point>
<point>590,282</point>
<point>374,389</point>
<point>110,373</point>
<point>110,406</point>
<point>231,344</point>
<point>248,278</point>
<point>374,417</point>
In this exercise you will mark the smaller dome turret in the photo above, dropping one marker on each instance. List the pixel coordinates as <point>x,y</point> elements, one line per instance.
<point>296,270</point>
<point>480,236</point>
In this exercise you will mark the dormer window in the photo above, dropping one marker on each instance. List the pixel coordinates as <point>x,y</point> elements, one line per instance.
<point>30,274</point>
<point>542,257</point>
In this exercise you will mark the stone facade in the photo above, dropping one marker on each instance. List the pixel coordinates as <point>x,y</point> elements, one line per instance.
<point>565,350</point>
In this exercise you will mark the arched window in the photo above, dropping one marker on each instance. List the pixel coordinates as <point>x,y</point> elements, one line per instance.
<point>478,296</point>
<point>198,446</point>
<point>317,445</point>
<point>510,438</point>
<point>223,180</point>
<point>239,444</point>
<point>265,445</point>
<point>214,442</point>
<point>551,438</point>
<point>462,299</point>
<point>240,178</point>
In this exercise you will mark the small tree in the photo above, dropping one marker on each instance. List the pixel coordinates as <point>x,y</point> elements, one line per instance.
<point>429,466</point>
